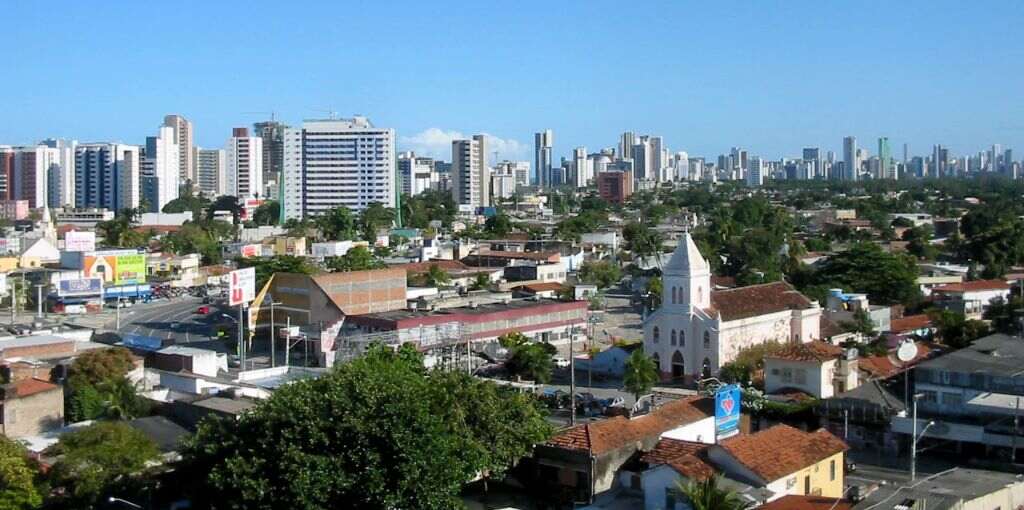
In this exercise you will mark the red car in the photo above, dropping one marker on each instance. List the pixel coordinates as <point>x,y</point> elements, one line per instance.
<point>203,310</point>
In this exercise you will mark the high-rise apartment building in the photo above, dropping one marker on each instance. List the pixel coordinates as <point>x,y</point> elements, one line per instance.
<point>615,186</point>
<point>940,162</point>
<point>6,173</point>
<point>626,143</point>
<point>160,173</point>
<point>885,169</point>
<point>812,155</point>
<point>107,175</point>
<point>503,183</point>
<point>338,162</point>
<point>582,170</point>
<point>211,172</point>
<point>416,173</point>
<point>659,160</point>
<point>32,167</point>
<point>755,172</point>
<point>643,160</point>
<point>184,138</point>
<point>543,144</point>
<point>60,177</point>
<point>993,157</point>
<point>471,179</point>
<point>244,170</point>
<point>851,160</point>
<point>520,171</point>
<point>272,133</point>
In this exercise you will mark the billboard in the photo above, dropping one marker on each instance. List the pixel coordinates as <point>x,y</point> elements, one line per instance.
<point>80,241</point>
<point>80,287</point>
<point>10,245</point>
<point>242,286</point>
<point>120,267</point>
<point>251,250</point>
<point>727,410</point>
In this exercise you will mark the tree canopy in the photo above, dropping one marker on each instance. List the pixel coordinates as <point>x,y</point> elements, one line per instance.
<point>641,373</point>
<point>357,258</point>
<point>886,278</point>
<point>602,273</point>
<point>379,432</point>
<point>18,489</point>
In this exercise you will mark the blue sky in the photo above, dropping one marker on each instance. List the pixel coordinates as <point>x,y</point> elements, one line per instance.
<point>768,76</point>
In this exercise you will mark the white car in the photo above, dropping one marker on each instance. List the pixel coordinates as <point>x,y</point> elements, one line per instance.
<point>560,362</point>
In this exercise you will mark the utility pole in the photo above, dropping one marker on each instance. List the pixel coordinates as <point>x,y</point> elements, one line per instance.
<point>241,340</point>
<point>288,340</point>
<point>1016,420</point>
<point>572,376</point>
<point>914,438</point>
<point>39,300</point>
<point>272,333</point>
<point>117,313</point>
<point>846,424</point>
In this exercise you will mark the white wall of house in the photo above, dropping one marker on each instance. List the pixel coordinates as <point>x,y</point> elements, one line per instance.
<point>701,431</point>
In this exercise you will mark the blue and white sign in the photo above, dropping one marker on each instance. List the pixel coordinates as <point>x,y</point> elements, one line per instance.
<point>80,287</point>
<point>727,410</point>
<point>142,342</point>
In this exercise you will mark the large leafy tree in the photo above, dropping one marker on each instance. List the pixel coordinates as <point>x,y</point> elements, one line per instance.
<point>337,224</point>
<point>266,267</point>
<point>955,330</point>
<point>1006,316</point>
<point>641,373</point>
<point>18,489</point>
<point>268,213</point>
<point>225,203</point>
<point>98,386</point>
<point>96,460</point>
<point>374,218</point>
<point>602,273</point>
<point>498,226</point>
<point>430,205</point>
<point>356,259</point>
<point>531,361</point>
<point>379,432</point>
<point>886,278</point>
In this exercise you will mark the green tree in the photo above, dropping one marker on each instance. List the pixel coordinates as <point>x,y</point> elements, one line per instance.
<point>337,224</point>
<point>955,330</point>
<point>378,432</point>
<point>437,277</point>
<point>707,495</point>
<point>359,258</point>
<point>98,386</point>
<point>268,213</point>
<point>886,278</point>
<point>1006,316</point>
<point>654,289</point>
<point>481,281</point>
<point>602,273</point>
<point>375,217</point>
<point>92,460</point>
<point>531,361</point>
<point>267,267</point>
<point>18,489</point>
<point>861,323</point>
<point>641,373</point>
<point>512,339</point>
<point>225,203</point>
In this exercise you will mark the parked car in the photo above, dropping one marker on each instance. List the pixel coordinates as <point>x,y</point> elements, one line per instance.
<point>203,310</point>
<point>560,362</point>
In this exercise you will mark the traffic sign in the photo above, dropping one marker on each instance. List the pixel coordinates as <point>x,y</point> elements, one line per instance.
<point>242,286</point>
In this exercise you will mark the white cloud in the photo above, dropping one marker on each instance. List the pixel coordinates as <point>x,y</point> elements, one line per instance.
<point>437,143</point>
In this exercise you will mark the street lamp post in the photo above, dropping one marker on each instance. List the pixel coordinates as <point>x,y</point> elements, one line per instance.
<point>914,438</point>
<point>272,333</point>
<point>112,499</point>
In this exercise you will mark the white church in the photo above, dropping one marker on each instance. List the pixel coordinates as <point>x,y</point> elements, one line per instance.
<point>698,329</point>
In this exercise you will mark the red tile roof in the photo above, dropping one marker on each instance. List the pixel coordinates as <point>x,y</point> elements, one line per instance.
<point>973,286</point>
<point>886,365</point>
<point>754,300</point>
<point>27,387</point>
<point>782,450</point>
<point>686,457</point>
<point>806,503</point>
<point>613,433</point>
<point>810,351</point>
<point>910,323</point>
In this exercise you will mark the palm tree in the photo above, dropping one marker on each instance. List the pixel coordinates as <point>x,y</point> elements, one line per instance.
<point>707,495</point>
<point>641,373</point>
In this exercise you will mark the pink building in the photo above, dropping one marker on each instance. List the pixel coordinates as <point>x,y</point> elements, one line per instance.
<point>13,210</point>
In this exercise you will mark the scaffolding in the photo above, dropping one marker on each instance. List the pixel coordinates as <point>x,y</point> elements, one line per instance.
<point>444,345</point>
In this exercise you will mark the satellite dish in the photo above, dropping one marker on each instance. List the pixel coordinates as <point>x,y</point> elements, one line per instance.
<point>906,352</point>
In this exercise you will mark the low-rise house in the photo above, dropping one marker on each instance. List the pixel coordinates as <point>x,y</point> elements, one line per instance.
<point>816,368</point>
<point>842,307</point>
<point>609,362</point>
<point>585,460</point>
<point>970,298</point>
<point>549,290</point>
<point>784,460</point>
<point>862,416</point>
<point>913,325</point>
<point>30,407</point>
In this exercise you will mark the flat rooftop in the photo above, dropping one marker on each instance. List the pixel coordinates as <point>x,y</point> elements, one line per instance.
<point>998,355</point>
<point>480,309</point>
<point>941,491</point>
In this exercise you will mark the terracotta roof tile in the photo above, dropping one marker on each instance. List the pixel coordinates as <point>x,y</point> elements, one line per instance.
<point>793,502</point>
<point>810,351</point>
<point>27,387</point>
<point>974,286</point>
<point>754,300</point>
<point>686,457</point>
<point>782,450</point>
<point>609,434</point>
<point>910,323</point>
<point>886,365</point>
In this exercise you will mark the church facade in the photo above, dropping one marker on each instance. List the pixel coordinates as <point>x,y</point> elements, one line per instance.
<point>698,329</point>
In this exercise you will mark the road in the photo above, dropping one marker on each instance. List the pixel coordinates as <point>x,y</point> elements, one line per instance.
<point>174,319</point>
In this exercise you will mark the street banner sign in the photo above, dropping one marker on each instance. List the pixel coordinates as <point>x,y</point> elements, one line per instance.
<point>242,286</point>
<point>727,410</point>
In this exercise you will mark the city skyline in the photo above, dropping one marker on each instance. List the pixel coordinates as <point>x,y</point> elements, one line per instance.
<point>751,87</point>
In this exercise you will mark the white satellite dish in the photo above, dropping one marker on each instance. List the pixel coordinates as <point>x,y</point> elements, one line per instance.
<point>906,352</point>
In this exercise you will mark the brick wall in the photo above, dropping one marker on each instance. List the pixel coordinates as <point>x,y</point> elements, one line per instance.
<point>34,414</point>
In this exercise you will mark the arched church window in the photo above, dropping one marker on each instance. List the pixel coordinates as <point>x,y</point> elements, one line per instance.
<point>707,340</point>
<point>673,341</point>
<point>656,334</point>
<point>705,370</point>
<point>678,366</point>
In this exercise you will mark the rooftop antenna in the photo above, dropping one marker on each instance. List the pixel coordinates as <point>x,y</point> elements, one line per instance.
<point>331,114</point>
<point>272,114</point>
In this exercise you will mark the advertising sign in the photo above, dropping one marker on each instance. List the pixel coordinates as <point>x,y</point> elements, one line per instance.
<point>242,286</point>
<point>251,250</point>
<point>727,410</point>
<point>119,267</point>
<point>80,287</point>
<point>80,241</point>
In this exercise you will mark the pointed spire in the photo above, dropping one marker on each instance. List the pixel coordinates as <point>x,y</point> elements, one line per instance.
<point>687,258</point>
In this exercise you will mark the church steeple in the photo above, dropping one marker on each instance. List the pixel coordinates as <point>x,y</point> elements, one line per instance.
<point>686,278</point>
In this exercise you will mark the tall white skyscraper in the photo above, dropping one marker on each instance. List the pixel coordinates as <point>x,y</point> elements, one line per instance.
<point>851,161</point>
<point>334,163</point>
<point>417,173</point>
<point>107,175</point>
<point>659,161</point>
<point>582,169</point>
<point>681,168</point>
<point>211,172</point>
<point>184,137</point>
<point>60,186</point>
<point>244,155</point>
<point>471,179</point>
<point>161,175</point>
<point>755,172</point>
<point>643,160</point>
<point>520,171</point>
<point>626,143</point>
<point>543,143</point>
<point>993,157</point>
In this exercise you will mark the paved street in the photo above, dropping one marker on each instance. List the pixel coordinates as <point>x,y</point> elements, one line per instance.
<point>174,319</point>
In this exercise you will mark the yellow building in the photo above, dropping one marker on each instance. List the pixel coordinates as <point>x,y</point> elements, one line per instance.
<point>784,460</point>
